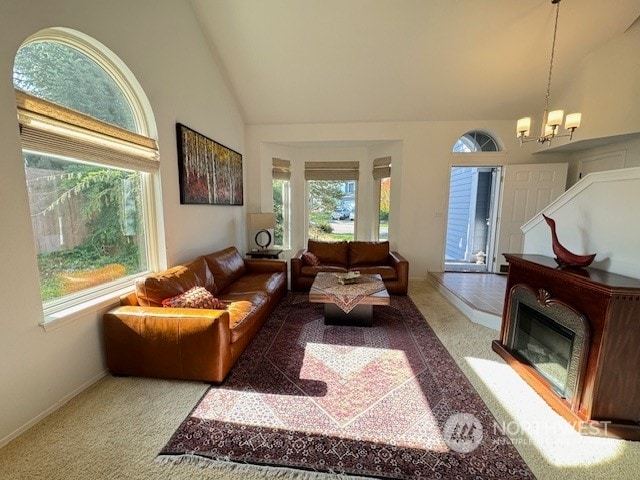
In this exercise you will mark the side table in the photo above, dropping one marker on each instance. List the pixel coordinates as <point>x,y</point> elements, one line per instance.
<point>264,253</point>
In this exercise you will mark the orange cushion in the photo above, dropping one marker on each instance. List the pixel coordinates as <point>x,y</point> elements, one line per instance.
<point>226,266</point>
<point>331,253</point>
<point>152,290</point>
<point>368,253</point>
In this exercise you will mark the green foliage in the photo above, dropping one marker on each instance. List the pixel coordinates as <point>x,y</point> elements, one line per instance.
<point>337,237</point>
<point>324,195</point>
<point>278,209</point>
<point>107,196</point>
<point>66,76</point>
<point>85,257</point>
<point>49,265</point>
<point>108,204</point>
<point>104,200</point>
<point>103,197</point>
<point>320,230</point>
<point>80,259</point>
<point>385,198</point>
<point>328,236</point>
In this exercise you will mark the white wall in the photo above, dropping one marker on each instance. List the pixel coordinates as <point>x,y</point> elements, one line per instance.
<point>626,151</point>
<point>605,90</point>
<point>597,215</point>
<point>602,218</point>
<point>421,158</point>
<point>160,42</point>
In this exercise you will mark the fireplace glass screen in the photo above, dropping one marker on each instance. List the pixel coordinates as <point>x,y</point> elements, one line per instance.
<point>545,345</point>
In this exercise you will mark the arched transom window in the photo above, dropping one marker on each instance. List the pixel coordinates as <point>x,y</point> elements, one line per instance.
<point>475,141</point>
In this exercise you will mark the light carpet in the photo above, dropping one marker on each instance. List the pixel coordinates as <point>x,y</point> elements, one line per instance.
<point>114,429</point>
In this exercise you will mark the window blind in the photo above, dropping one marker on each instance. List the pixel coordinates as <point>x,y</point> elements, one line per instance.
<point>52,129</point>
<point>281,169</point>
<point>331,170</point>
<point>381,168</point>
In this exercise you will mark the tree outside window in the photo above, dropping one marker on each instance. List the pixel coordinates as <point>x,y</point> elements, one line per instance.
<point>330,205</point>
<point>65,76</point>
<point>282,209</point>
<point>88,217</point>
<point>385,202</point>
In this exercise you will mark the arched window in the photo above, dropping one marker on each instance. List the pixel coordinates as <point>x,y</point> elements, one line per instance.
<point>89,161</point>
<point>475,142</point>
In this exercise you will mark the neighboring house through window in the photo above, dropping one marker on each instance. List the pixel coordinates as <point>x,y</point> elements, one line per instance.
<point>89,162</point>
<point>472,206</point>
<point>331,190</point>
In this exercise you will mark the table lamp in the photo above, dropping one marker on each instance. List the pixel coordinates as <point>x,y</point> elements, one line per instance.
<point>262,222</point>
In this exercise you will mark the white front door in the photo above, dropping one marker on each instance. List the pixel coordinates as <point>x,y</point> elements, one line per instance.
<point>526,190</point>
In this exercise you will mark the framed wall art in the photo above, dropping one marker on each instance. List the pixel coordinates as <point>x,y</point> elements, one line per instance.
<point>210,173</point>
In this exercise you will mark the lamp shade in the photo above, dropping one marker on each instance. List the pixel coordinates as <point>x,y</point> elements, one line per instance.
<point>262,221</point>
<point>573,120</point>
<point>524,126</point>
<point>555,118</point>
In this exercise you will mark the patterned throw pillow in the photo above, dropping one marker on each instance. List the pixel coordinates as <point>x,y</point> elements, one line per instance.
<point>310,259</point>
<point>196,297</point>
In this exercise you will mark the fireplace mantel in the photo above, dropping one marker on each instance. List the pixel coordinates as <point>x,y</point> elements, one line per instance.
<point>608,400</point>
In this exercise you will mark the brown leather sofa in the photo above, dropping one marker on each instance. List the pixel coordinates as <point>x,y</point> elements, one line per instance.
<point>365,257</point>
<point>143,338</point>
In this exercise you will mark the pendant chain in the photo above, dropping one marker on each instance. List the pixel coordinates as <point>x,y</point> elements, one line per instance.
<point>553,50</point>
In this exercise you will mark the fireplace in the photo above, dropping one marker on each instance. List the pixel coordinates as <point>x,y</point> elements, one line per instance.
<point>572,335</point>
<point>550,336</point>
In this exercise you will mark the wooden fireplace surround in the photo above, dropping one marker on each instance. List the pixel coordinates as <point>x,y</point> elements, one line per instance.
<point>607,402</point>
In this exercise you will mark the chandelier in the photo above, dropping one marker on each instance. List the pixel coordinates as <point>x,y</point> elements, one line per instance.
<point>551,121</point>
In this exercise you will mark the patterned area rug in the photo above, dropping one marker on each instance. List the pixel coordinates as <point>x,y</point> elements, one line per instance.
<point>385,401</point>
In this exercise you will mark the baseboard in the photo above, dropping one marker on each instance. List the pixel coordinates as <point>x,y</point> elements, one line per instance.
<point>476,316</point>
<point>51,409</point>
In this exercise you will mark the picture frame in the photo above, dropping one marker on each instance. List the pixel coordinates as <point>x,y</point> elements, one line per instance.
<point>209,172</point>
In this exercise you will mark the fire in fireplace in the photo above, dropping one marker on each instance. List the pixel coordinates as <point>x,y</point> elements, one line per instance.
<point>550,336</point>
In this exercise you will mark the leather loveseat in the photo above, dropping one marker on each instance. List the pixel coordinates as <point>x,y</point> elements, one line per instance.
<point>145,338</point>
<point>365,257</point>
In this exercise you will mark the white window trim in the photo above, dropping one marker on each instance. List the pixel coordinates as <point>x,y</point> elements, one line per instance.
<point>281,170</point>
<point>307,192</point>
<point>115,67</point>
<point>286,214</point>
<point>377,186</point>
<point>64,310</point>
<point>59,318</point>
<point>78,127</point>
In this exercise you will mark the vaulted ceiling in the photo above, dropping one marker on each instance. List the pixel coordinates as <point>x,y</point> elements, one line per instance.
<point>316,61</point>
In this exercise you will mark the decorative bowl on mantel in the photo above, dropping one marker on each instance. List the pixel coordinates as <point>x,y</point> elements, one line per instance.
<point>347,278</point>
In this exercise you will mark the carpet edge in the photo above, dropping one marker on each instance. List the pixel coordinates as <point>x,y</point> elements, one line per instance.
<point>231,466</point>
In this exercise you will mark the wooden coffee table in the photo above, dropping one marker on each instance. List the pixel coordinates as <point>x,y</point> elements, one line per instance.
<point>348,304</point>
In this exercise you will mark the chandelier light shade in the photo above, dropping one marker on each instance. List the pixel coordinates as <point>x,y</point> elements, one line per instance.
<point>551,120</point>
<point>263,222</point>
